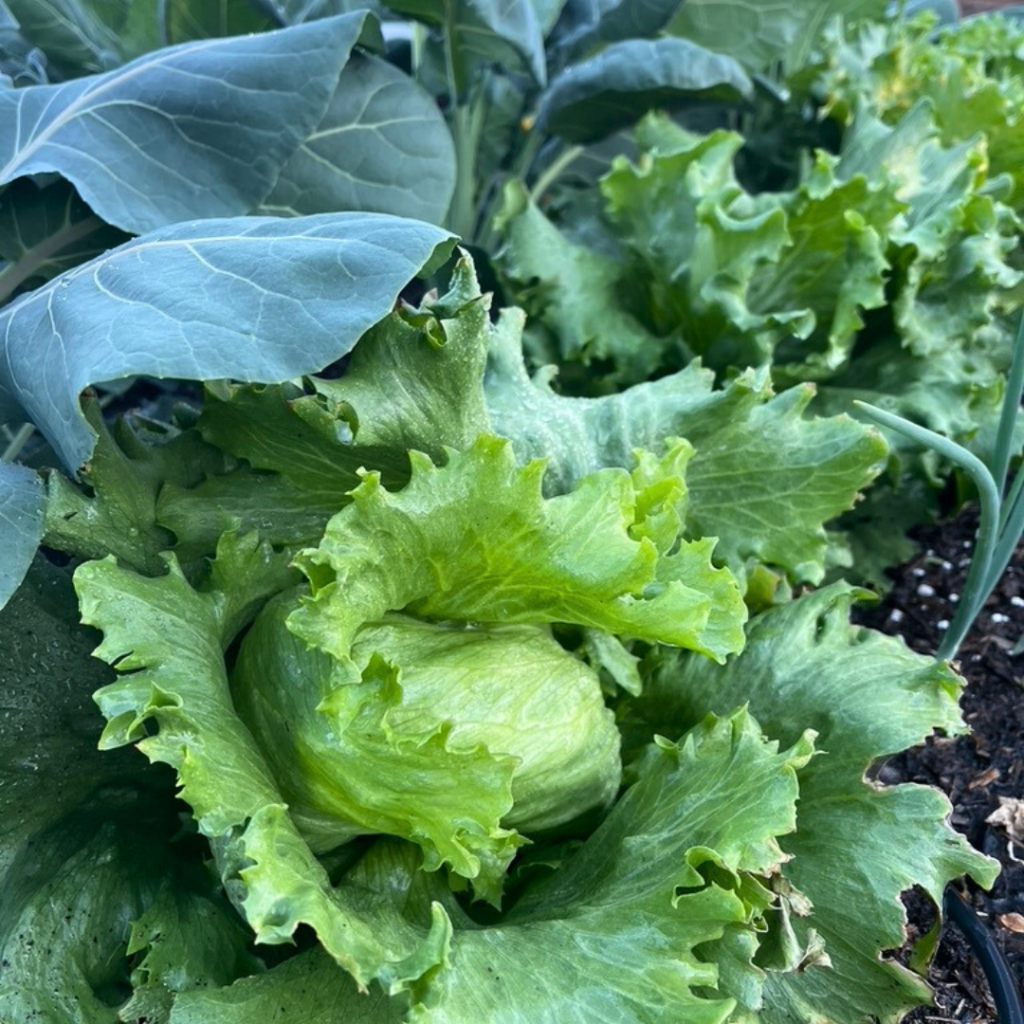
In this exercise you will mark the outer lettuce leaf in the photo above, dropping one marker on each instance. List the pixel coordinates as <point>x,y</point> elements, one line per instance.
<point>269,504</point>
<point>310,987</point>
<point>873,537</point>
<point>50,765</point>
<point>65,925</point>
<point>579,436</point>
<point>414,379</point>
<point>763,479</point>
<point>476,541</point>
<point>956,391</point>
<point>588,299</point>
<point>614,933</point>
<point>775,516</point>
<point>188,940</point>
<point>168,640</point>
<point>740,273</point>
<point>128,469</point>
<point>85,841</point>
<point>892,66</point>
<point>858,845</point>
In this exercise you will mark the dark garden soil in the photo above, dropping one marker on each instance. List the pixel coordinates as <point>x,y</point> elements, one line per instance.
<point>980,773</point>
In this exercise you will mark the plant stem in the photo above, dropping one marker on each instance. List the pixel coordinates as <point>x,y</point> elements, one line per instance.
<point>978,575</point>
<point>418,47</point>
<point>1010,411</point>
<point>1011,526</point>
<point>17,273</point>
<point>554,171</point>
<point>462,215</point>
<point>1010,501</point>
<point>20,439</point>
<point>519,171</point>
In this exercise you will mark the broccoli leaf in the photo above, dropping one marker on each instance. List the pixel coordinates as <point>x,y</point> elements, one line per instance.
<point>22,513</point>
<point>382,146</point>
<point>202,125</point>
<point>257,298</point>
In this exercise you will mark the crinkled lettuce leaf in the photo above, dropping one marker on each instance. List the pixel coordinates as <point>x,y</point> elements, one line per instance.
<point>764,477</point>
<point>858,845</point>
<point>476,541</point>
<point>102,917</point>
<point>586,298</point>
<point>357,759</point>
<point>910,217</point>
<point>115,512</point>
<point>615,933</point>
<point>970,72</point>
<point>167,641</point>
<point>950,247</point>
<point>623,928</point>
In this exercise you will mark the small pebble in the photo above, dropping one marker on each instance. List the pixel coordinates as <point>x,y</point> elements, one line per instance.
<point>917,571</point>
<point>942,624</point>
<point>926,590</point>
<point>1017,602</point>
<point>967,543</point>
<point>999,618</point>
<point>946,566</point>
<point>953,598</point>
<point>895,615</point>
